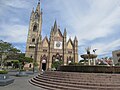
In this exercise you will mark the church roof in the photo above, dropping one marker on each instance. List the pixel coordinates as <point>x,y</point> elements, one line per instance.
<point>70,41</point>
<point>45,38</point>
<point>56,30</point>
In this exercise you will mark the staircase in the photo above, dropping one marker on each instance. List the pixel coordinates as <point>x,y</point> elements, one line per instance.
<point>55,80</point>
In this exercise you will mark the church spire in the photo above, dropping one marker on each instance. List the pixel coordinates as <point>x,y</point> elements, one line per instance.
<point>32,14</point>
<point>33,10</point>
<point>38,7</point>
<point>55,24</point>
<point>55,27</point>
<point>65,32</point>
<point>39,2</point>
<point>75,39</point>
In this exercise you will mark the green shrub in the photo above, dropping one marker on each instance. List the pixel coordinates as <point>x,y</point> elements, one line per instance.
<point>56,64</point>
<point>15,61</point>
<point>3,72</point>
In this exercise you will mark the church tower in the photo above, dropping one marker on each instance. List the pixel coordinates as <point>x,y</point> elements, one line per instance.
<point>34,32</point>
<point>47,50</point>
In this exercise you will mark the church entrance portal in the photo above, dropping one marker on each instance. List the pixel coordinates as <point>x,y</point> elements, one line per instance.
<point>57,57</point>
<point>44,65</point>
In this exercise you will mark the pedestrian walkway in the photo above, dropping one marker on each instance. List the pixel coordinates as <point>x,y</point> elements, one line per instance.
<point>21,83</point>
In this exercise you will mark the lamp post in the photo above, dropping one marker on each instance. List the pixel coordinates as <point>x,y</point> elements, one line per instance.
<point>33,66</point>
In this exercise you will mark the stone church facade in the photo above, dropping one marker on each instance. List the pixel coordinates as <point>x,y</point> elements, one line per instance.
<point>48,50</point>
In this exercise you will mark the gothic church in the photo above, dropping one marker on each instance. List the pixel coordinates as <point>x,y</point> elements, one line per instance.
<point>46,51</point>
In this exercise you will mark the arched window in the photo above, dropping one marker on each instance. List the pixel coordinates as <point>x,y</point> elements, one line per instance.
<point>36,16</point>
<point>33,40</point>
<point>35,28</point>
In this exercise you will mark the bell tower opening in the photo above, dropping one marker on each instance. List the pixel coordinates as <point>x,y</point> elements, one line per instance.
<point>35,28</point>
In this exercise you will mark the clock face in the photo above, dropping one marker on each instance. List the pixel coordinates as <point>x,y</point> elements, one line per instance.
<point>57,45</point>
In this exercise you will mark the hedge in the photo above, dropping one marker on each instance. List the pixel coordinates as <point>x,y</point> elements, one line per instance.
<point>3,72</point>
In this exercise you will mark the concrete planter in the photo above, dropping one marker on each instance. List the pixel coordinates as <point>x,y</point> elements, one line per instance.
<point>21,74</point>
<point>5,80</point>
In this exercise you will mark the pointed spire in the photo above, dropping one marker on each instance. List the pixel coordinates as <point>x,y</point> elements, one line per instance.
<point>33,10</point>
<point>38,7</point>
<point>65,32</point>
<point>41,11</point>
<point>75,39</point>
<point>45,38</point>
<point>70,40</point>
<point>51,33</point>
<point>32,13</point>
<point>39,2</point>
<point>55,27</point>
<point>55,24</point>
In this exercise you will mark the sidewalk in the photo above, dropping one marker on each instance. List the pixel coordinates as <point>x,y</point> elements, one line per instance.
<point>21,83</point>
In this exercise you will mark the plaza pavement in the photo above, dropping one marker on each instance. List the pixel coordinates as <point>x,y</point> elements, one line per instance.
<point>20,83</point>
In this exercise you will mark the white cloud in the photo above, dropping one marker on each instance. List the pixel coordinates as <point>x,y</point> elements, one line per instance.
<point>98,22</point>
<point>14,33</point>
<point>106,48</point>
<point>86,19</point>
<point>17,3</point>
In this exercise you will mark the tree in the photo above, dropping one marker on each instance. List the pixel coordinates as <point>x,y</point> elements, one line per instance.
<point>6,49</point>
<point>21,57</point>
<point>56,64</point>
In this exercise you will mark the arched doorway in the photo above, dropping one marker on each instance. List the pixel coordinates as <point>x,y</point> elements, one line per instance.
<point>57,57</point>
<point>43,64</point>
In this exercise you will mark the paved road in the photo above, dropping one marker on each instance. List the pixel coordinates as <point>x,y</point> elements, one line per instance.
<point>20,83</point>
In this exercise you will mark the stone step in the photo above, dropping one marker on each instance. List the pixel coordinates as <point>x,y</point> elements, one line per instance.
<point>42,85</point>
<point>50,88</point>
<point>76,81</point>
<point>92,80</point>
<point>68,74</point>
<point>91,75</point>
<point>78,73</point>
<point>54,86</point>
<point>73,85</point>
<point>73,81</point>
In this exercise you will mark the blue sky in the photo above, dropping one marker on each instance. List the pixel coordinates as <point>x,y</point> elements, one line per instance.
<point>96,23</point>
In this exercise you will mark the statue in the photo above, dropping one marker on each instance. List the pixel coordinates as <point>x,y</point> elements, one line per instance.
<point>88,50</point>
